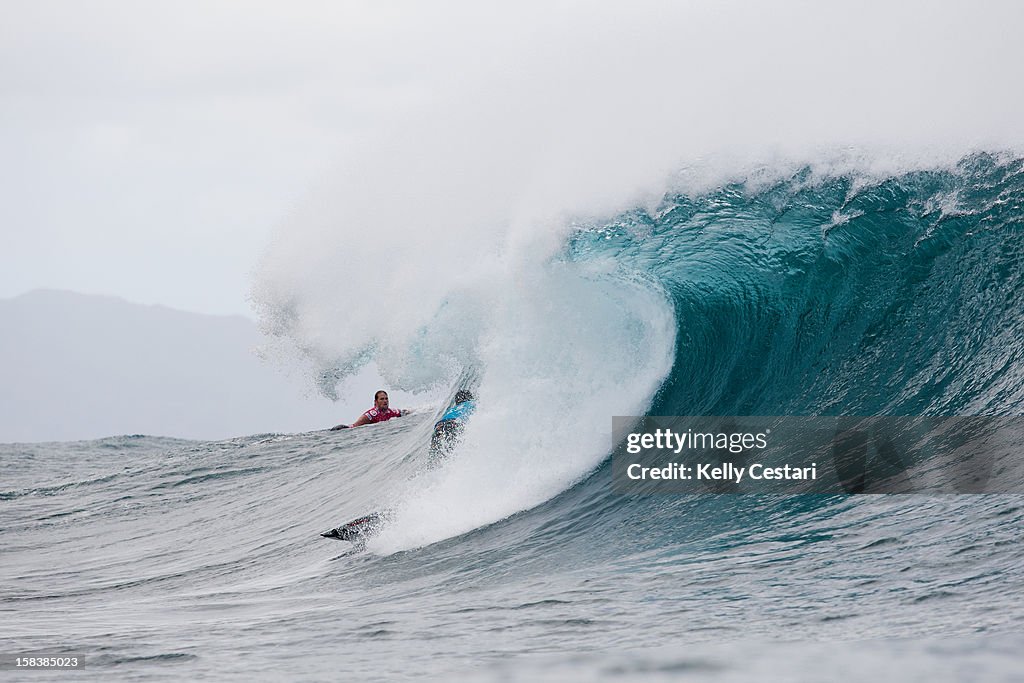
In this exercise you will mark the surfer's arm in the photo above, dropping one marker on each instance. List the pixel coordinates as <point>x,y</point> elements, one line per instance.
<point>361,421</point>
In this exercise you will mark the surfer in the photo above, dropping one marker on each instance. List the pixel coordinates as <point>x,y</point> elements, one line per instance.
<point>380,412</point>
<point>451,424</point>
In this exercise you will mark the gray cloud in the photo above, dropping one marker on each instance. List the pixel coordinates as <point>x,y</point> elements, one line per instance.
<point>149,149</point>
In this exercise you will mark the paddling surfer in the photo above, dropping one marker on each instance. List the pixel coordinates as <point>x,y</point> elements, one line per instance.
<point>380,412</point>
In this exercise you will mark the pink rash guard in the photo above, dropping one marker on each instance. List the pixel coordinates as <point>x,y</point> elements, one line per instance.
<point>374,415</point>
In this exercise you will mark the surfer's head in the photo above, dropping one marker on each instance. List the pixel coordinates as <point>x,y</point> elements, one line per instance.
<point>463,395</point>
<point>380,400</point>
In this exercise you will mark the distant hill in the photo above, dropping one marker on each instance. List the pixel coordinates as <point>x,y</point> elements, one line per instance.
<point>76,366</point>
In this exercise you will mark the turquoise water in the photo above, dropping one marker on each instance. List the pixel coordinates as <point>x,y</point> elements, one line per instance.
<point>822,295</point>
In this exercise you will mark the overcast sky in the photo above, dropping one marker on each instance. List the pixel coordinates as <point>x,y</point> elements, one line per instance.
<point>150,150</point>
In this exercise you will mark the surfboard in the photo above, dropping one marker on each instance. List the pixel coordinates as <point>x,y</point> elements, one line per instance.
<point>357,528</point>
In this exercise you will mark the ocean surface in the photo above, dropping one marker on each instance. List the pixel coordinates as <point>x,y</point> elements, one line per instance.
<point>797,293</point>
